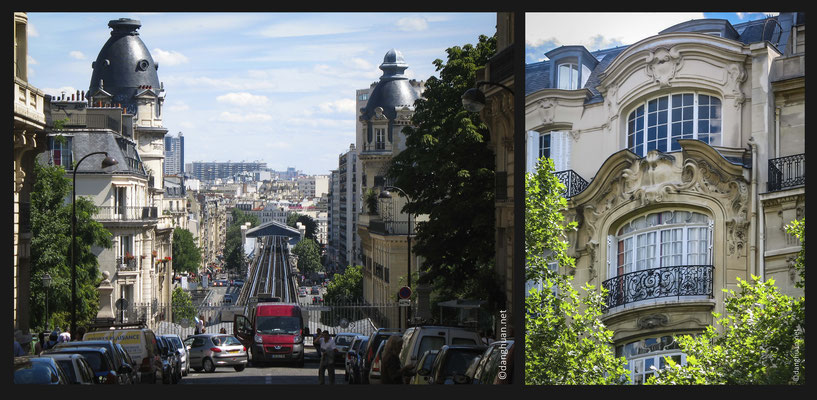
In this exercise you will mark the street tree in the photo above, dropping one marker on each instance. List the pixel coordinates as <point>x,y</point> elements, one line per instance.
<point>308,222</point>
<point>566,342</point>
<point>233,245</point>
<point>448,169</point>
<point>309,257</point>
<point>183,308</point>
<point>762,340</point>
<point>346,287</point>
<point>186,254</point>
<point>51,250</point>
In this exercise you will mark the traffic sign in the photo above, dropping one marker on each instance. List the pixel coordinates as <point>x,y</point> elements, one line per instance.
<point>404,292</point>
<point>404,302</point>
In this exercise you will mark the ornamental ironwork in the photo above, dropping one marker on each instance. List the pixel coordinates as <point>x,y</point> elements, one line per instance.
<point>654,283</point>
<point>787,172</point>
<point>574,183</point>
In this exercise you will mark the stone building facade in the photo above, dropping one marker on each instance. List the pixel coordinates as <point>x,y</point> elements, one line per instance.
<point>683,157</point>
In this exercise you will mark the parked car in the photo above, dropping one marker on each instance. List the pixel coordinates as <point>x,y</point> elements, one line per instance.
<point>210,350</point>
<point>140,343</point>
<point>315,290</point>
<point>228,298</point>
<point>238,283</point>
<point>76,368</point>
<point>422,372</point>
<point>356,361</point>
<point>101,361</point>
<point>453,361</point>
<point>378,336</point>
<point>374,374</point>
<point>118,359</point>
<point>134,374</point>
<point>176,341</point>
<point>38,370</point>
<point>170,361</point>
<point>418,339</point>
<point>351,357</point>
<point>342,342</point>
<point>489,370</point>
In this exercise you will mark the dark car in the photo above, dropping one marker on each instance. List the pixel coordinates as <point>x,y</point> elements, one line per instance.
<point>171,365</point>
<point>134,374</point>
<point>453,361</point>
<point>100,360</point>
<point>38,370</point>
<point>356,362</point>
<point>495,367</point>
<point>421,373</point>
<point>375,339</point>
<point>351,356</point>
<point>118,358</point>
<point>75,367</point>
<point>342,342</point>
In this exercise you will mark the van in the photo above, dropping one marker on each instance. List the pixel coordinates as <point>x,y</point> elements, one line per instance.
<point>418,339</point>
<point>140,343</point>
<point>272,332</point>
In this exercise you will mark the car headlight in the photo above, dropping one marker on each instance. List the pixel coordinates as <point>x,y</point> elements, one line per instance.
<point>298,339</point>
<point>258,339</point>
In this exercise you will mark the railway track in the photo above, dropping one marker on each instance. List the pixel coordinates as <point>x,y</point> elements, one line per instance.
<point>269,274</point>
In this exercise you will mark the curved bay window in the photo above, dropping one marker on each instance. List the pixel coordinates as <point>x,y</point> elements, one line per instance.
<point>661,254</point>
<point>660,122</point>
<point>646,356</point>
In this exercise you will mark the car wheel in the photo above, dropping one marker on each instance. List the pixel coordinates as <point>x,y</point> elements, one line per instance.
<point>208,365</point>
<point>238,368</point>
<point>196,369</point>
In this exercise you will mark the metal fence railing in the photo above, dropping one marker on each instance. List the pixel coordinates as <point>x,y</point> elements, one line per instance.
<point>786,172</point>
<point>677,281</point>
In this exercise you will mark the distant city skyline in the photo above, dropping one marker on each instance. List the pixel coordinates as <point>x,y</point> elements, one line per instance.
<point>273,87</point>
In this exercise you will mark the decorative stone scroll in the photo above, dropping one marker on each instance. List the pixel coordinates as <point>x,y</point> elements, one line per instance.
<point>662,64</point>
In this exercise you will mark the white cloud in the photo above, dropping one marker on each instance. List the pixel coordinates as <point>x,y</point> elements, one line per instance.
<point>177,106</point>
<point>243,99</point>
<point>412,24</point>
<point>306,28</point>
<point>338,106</point>
<point>31,60</point>
<point>68,90</point>
<point>227,116</point>
<point>77,55</point>
<point>168,57</point>
<point>32,30</point>
<point>593,29</point>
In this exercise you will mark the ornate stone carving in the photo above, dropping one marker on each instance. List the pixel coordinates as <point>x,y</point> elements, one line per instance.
<point>649,178</point>
<point>652,321</point>
<point>662,64</point>
<point>736,75</point>
<point>546,108</point>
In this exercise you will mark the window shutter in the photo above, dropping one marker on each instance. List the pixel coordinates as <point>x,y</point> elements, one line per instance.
<point>611,256</point>
<point>709,240</point>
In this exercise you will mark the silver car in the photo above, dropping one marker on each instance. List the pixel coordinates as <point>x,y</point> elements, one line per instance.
<point>176,341</point>
<point>210,350</point>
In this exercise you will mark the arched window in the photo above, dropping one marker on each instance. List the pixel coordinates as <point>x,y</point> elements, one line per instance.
<point>662,239</point>
<point>645,356</point>
<point>660,122</point>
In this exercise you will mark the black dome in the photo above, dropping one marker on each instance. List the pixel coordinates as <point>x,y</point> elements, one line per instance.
<point>393,90</point>
<point>124,65</point>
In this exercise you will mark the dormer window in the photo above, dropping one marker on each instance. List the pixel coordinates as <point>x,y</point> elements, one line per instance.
<point>568,76</point>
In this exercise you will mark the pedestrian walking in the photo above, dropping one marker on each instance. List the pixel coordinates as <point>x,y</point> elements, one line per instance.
<point>52,339</point>
<point>316,342</point>
<point>200,324</point>
<point>327,344</point>
<point>391,372</point>
<point>38,347</point>
<point>222,330</point>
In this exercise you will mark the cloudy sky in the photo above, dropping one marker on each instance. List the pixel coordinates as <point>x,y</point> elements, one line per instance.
<point>278,88</point>
<point>596,31</point>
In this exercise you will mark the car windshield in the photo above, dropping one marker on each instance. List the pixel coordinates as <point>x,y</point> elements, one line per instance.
<point>36,372</point>
<point>429,360</point>
<point>68,367</point>
<point>225,341</point>
<point>278,325</point>
<point>176,342</point>
<point>344,340</point>
<point>458,362</point>
<point>97,362</point>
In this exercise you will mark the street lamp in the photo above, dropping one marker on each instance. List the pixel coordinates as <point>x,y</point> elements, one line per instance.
<point>47,286</point>
<point>384,194</point>
<point>106,162</point>
<point>474,100</point>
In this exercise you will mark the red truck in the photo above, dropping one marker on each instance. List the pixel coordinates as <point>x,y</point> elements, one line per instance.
<point>272,332</point>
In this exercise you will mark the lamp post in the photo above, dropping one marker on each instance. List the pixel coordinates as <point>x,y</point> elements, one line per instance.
<point>384,194</point>
<point>106,162</point>
<point>47,286</point>
<point>474,100</point>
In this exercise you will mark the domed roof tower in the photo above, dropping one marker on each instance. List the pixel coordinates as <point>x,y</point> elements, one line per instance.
<point>394,88</point>
<point>124,66</point>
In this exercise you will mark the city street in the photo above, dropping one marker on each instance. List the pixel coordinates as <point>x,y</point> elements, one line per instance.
<point>275,374</point>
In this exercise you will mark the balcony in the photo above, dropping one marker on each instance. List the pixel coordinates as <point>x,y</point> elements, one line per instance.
<point>126,264</point>
<point>573,182</point>
<point>786,172</point>
<point>678,281</point>
<point>126,214</point>
<point>391,227</point>
<point>378,147</point>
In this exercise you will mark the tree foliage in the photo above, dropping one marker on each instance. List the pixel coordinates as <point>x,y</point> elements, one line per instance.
<point>307,221</point>
<point>183,308</point>
<point>448,169</point>
<point>346,287</point>
<point>51,250</point>
<point>565,341</point>
<point>309,256</point>
<point>234,257</point>
<point>186,254</point>
<point>762,340</point>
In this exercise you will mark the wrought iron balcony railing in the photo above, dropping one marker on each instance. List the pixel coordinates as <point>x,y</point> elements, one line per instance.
<point>126,264</point>
<point>377,147</point>
<point>786,172</point>
<point>573,182</point>
<point>391,227</point>
<point>655,283</point>
<point>110,213</point>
